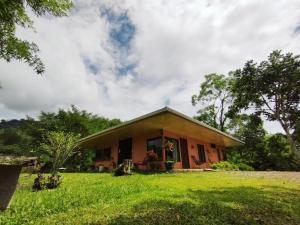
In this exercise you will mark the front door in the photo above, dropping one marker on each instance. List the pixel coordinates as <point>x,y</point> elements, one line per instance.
<point>184,154</point>
<point>125,150</point>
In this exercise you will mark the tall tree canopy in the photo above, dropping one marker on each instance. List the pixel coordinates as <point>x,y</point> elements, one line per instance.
<point>214,99</point>
<point>272,89</point>
<point>12,14</point>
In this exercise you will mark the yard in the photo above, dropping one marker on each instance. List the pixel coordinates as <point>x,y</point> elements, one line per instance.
<point>179,198</point>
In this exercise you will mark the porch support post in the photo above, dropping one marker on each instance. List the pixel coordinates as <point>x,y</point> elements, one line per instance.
<point>163,147</point>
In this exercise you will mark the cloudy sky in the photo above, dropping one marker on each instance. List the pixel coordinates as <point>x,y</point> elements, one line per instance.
<point>126,58</point>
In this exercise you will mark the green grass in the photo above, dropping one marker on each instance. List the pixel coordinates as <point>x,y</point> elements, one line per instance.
<point>191,198</point>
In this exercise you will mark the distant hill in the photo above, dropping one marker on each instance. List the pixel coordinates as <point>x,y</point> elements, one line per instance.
<point>11,123</point>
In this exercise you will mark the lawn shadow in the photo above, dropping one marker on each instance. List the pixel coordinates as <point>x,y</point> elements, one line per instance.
<point>236,205</point>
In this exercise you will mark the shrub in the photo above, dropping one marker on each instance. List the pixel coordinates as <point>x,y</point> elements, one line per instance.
<point>244,167</point>
<point>41,183</point>
<point>226,165</point>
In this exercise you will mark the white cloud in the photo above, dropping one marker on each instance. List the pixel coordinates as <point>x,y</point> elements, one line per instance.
<point>175,44</point>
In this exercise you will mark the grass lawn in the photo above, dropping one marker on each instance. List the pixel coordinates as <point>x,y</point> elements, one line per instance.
<point>179,198</point>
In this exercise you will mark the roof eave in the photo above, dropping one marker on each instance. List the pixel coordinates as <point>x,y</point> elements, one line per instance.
<point>157,112</point>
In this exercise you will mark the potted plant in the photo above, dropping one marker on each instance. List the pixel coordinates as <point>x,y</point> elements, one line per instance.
<point>169,148</point>
<point>169,165</point>
<point>151,159</point>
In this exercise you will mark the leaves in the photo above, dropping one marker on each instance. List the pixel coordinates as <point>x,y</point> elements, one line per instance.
<point>214,98</point>
<point>59,146</point>
<point>12,14</point>
<point>271,89</point>
<point>24,137</point>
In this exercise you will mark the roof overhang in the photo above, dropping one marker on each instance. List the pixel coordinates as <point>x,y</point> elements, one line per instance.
<point>163,119</point>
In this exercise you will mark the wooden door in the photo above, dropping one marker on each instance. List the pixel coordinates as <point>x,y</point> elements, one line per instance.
<point>184,154</point>
<point>125,150</point>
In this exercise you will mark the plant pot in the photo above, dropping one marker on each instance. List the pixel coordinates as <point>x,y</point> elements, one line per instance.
<point>100,168</point>
<point>169,166</point>
<point>9,175</point>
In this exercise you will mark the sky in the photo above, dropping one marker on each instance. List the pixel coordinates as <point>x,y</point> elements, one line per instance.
<point>125,58</point>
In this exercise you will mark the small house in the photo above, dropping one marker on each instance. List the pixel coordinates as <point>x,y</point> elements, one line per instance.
<point>160,136</point>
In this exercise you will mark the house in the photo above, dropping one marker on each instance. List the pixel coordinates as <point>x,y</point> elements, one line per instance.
<point>195,145</point>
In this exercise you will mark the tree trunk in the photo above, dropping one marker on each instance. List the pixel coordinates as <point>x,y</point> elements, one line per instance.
<point>292,144</point>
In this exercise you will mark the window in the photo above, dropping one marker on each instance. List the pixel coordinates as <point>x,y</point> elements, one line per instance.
<point>213,145</point>
<point>201,153</point>
<point>155,144</point>
<point>103,154</point>
<point>175,154</point>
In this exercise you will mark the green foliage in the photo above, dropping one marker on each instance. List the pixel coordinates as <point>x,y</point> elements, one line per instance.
<point>263,151</point>
<point>24,137</point>
<point>12,14</point>
<point>14,142</point>
<point>41,183</point>
<point>271,89</point>
<point>279,153</point>
<point>244,167</point>
<point>218,198</point>
<point>227,165</point>
<point>58,147</point>
<point>252,152</point>
<point>238,103</point>
<point>214,98</point>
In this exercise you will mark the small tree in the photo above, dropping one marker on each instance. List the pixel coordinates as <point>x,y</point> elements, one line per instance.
<point>214,99</point>
<point>59,146</point>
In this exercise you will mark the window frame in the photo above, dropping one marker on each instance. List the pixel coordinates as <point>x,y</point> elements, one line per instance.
<point>161,147</point>
<point>202,157</point>
<point>178,149</point>
<point>102,150</point>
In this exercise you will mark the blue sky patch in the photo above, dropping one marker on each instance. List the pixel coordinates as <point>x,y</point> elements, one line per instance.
<point>124,70</point>
<point>122,29</point>
<point>121,34</point>
<point>91,67</point>
<point>297,29</point>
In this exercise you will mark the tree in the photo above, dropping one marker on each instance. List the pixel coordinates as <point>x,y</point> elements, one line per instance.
<point>215,98</point>
<point>252,133</point>
<point>59,146</point>
<point>261,150</point>
<point>14,142</point>
<point>271,89</point>
<point>23,137</point>
<point>12,14</point>
<point>279,153</point>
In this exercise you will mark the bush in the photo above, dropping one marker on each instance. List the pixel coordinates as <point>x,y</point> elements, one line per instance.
<point>41,183</point>
<point>244,167</point>
<point>226,165</point>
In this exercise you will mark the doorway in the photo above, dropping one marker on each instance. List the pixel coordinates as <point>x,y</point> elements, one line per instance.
<point>184,154</point>
<point>125,150</point>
